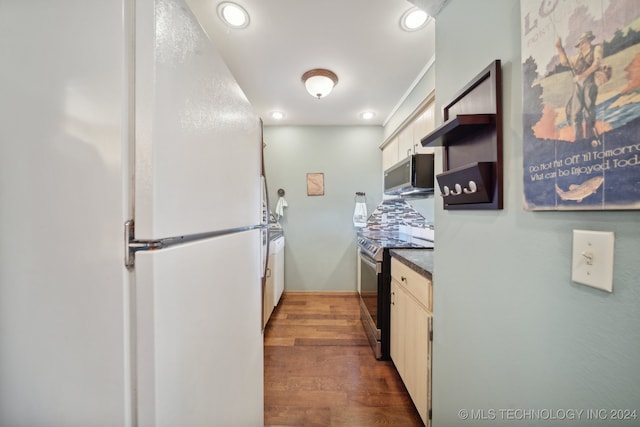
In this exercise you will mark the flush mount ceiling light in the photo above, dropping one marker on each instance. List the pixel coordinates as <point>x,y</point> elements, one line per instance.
<point>414,19</point>
<point>233,15</point>
<point>319,82</point>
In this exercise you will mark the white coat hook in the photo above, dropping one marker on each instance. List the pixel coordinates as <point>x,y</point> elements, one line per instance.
<point>472,188</point>
<point>457,191</point>
<point>445,191</point>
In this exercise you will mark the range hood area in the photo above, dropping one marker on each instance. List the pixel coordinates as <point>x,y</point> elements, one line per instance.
<point>411,177</point>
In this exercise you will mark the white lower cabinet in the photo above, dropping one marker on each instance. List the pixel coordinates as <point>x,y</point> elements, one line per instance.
<point>278,268</point>
<point>274,280</point>
<point>411,326</point>
<point>269,290</point>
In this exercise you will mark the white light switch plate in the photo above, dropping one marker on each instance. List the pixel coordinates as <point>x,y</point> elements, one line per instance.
<point>592,261</point>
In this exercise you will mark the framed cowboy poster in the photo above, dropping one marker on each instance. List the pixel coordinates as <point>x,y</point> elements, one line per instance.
<point>581,104</point>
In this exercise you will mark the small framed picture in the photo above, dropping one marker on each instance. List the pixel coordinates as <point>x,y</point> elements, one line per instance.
<point>315,184</point>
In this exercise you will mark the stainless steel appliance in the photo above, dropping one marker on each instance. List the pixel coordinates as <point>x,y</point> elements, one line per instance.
<point>375,284</point>
<point>412,176</point>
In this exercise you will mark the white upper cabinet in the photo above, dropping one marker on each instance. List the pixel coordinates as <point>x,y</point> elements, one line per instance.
<point>390,154</point>
<point>406,140</point>
<point>423,124</point>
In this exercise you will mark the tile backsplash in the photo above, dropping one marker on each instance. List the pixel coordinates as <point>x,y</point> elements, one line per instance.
<point>391,213</point>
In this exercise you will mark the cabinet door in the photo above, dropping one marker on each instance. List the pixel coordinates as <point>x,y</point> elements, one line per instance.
<point>417,361</point>
<point>424,124</point>
<point>398,328</point>
<point>268,291</point>
<point>405,142</point>
<point>411,323</point>
<point>390,154</point>
<point>278,273</point>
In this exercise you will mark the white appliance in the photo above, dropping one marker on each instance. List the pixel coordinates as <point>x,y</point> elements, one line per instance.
<point>276,247</point>
<point>123,112</point>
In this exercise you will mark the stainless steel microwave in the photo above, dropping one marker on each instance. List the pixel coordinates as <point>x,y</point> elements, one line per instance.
<point>413,176</point>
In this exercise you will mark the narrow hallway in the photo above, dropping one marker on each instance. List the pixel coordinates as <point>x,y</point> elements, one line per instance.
<point>320,370</point>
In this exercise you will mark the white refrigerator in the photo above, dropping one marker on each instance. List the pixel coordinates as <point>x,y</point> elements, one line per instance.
<point>132,221</point>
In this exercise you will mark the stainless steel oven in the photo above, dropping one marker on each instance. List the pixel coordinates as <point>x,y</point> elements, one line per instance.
<point>375,291</point>
<point>370,286</point>
<point>375,285</point>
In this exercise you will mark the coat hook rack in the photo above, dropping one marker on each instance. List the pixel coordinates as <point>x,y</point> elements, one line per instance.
<point>471,135</point>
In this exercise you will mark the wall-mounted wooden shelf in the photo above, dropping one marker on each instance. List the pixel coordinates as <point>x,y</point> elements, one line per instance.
<point>457,128</point>
<point>472,139</point>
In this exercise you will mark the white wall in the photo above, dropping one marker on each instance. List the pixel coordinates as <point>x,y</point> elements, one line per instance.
<point>320,250</point>
<point>511,331</point>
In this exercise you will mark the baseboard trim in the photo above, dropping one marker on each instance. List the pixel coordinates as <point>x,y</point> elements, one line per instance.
<point>321,293</point>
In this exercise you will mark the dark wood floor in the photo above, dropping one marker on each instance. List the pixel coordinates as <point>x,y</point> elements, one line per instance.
<point>320,370</point>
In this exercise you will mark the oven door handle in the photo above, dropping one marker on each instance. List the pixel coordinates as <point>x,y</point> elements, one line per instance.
<point>371,263</point>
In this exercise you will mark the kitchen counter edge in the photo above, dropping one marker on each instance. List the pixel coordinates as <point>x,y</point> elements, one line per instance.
<point>275,234</point>
<point>419,260</point>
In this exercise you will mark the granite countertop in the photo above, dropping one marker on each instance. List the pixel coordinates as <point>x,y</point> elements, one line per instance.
<point>419,260</point>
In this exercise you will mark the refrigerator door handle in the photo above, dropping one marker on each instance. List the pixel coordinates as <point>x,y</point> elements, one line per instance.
<point>132,245</point>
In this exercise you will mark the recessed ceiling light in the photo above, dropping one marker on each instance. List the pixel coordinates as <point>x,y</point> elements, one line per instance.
<point>414,19</point>
<point>277,115</point>
<point>233,15</point>
<point>367,115</point>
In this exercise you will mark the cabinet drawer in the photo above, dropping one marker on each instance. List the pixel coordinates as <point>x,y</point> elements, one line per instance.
<point>417,285</point>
